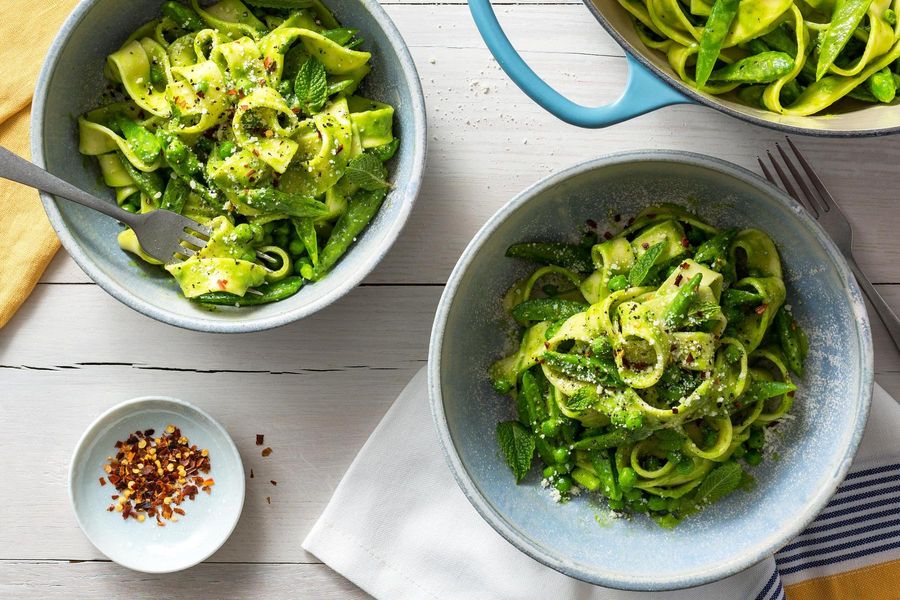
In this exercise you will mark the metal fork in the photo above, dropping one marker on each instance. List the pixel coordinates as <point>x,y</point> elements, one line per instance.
<point>821,205</point>
<point>163,234</point>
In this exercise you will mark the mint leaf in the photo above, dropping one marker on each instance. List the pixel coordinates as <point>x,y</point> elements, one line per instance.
<point>311,86</point>
<point>517,445</point>
<point>583,399</point>
<point>641,268</point>
<point>720,482</point>
<point>367,172</point>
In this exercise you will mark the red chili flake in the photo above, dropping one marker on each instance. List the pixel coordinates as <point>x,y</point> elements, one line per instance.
<point>645,245</point>
<point>651,215</point>
<point>201,95</point>
<point>791,394</point>
<point>261,81</point>
<point>340,148</point>
<point>259,439</point>
<point>591,223</point>
<point>607,235</point>
<point>102,481</point>
<point>684,265</point>
<point>267,62</point>
<point>685,242</point>
<point>689,358</point>
<point>222,283</point>
<point>678,279</point>
<point>295,110</point>
<point>273,482</point>
<point>617,218</point>
<point>266,451</point>
<point>232,92</point>
<point>251,172</point>
<point>630,222</point>
<point>245,106</point>
<point>761,309</point>
<point>674,410</point>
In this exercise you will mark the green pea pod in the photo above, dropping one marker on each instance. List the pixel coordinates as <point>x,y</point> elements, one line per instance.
<point>151,184</point>
<point>677,309</point>
<point>603,467</point>
<point>882,85</point>
<point>786,328</point>
<point>569,256</point>
<point>176,194</point>
<point>715,247</point>
<point>616,437</point>
<point>547,309</point>
<point>306,231</point>
<point>179,156</point>
<point>765,67</point>
<point>585,368</point>
<point>529,402</point>
<point>270,292</point>
<point>340,35</point>
<point>717,25</point>
<point>847,16</point>
<point>763,390</point>
<point>361,209</point>
<point>586,479</point>
<point>272,201</point>
<point>144,144</point>
<point>734,297</point>
<point>183,16</point>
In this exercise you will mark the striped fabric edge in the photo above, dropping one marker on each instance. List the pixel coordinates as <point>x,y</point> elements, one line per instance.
<point>772,589</point>
<point>859,529</point>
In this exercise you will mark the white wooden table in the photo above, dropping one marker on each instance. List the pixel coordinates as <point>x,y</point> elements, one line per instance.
<point>317,388</point>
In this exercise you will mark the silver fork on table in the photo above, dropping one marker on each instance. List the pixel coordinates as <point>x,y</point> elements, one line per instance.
<point>163,234</point>
<point>821,205</point>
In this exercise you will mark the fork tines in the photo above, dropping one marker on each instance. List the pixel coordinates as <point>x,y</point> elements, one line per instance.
<point>814,198</point>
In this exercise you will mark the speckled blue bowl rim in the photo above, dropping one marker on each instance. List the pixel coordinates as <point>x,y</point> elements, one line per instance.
<point>775,539</point>
<point>136,404</point>
<point>368,262</point>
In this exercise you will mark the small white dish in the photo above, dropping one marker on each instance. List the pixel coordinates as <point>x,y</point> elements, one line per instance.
<point>209,518</point>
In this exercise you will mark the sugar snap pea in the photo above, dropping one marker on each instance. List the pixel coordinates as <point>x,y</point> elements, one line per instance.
<point>765,67</point>
<point>272,201</point>
<point>150,183</point>
<point>183,16</point>
<point>361,209</point>
<point>141,141</point>
<point>847,16</point>
<point>568,256</point>
<point>716,247</point>
<point>677,309</point>
<point>788,336</point>
<point>529,402</point>
<point>735,297</point>
<point>175,196</point>
<point>547,309</point>
<point>270,292</point>
<point>603,467</point>
<point>586,368</point>
<point>717,25</point>
<point>882,85</point>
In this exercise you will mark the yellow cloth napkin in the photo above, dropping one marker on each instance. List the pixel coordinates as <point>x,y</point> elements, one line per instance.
<point>27,242</point>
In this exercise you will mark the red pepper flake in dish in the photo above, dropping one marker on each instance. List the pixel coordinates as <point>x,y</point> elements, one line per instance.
<point>154,475</point>
<point>761,309</point>
<point>102,481</point>
<point>607,235</point>
<point>591,223</point>
<point>685,242</point>
<point>678,279</point>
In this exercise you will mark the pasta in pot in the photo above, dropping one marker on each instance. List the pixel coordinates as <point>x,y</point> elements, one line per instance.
<point>790,57</point>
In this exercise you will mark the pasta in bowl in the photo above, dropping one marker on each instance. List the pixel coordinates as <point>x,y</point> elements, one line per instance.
<point>567,324</point>
<point>267,123</point>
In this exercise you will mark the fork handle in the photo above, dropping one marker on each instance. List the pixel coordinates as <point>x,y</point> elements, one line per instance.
<point>18,169</point>
<point>885,312</point>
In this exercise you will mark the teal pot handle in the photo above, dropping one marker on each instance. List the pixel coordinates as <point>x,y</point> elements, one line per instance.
<point>644,91</point>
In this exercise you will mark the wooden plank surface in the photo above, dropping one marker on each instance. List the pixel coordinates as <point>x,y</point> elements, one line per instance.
<point>317,388</point>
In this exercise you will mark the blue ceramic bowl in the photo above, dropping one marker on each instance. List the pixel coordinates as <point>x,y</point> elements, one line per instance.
<point>70,83</point>
<point>470,332</point>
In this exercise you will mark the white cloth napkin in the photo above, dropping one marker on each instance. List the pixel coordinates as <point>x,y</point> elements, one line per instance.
<point>399,527</point>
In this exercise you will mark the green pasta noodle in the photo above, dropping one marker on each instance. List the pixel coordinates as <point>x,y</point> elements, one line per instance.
<point>659,383</point>
<point>247,118</point>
